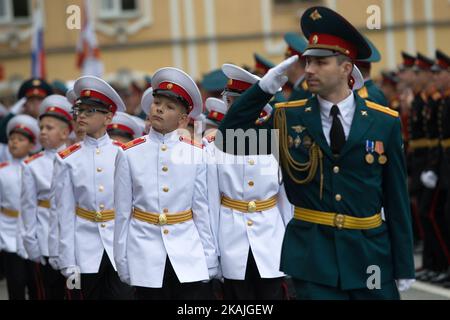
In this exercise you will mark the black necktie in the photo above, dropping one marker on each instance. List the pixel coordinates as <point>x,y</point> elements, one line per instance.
<point>337,135</point>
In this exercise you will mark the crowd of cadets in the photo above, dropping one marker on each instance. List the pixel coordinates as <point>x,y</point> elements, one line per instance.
<point>153,210</point>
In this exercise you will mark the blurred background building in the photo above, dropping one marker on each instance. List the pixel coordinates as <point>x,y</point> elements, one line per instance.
<point>136,37</point>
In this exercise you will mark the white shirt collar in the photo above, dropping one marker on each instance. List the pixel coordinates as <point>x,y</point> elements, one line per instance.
<point>346,107</point>
<point>163,138</point>
<point>104,140</point>
<point>54,151</point>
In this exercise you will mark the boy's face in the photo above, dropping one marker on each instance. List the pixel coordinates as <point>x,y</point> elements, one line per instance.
<point>31,106</point>
<point>167,115</point>
<point>19,146</point>
<point>92,120</point>
<point>53,132</point>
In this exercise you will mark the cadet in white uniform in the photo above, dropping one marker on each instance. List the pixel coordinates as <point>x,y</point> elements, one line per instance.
<point>163,243</point>
<point>55,122</point>
<point>22,132</point>
<point>84,188</point>
<point>250,212</point>
<point>124,127</point>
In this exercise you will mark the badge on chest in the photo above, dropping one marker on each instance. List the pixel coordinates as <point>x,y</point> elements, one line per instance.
<point>375,148</point>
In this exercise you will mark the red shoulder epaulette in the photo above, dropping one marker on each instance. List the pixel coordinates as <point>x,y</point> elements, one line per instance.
<point>33,157</point>
<point>133,143</point>
<point>192,142</point>
<point>68,151</point>
<point>4,164</point>
<point>118,143</point>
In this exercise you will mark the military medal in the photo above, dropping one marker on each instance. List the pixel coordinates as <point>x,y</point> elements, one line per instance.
<point>382,159</point>
<point>369,158</point>
<point>369,148</point>
<point>290,141</point>
<point>297,142</point>
<point>379,148</point>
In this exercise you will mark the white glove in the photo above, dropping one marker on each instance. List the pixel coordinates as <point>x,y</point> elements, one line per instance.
<point>42,261</point>
<point>18,106</point>
<point>54,262</point>
<point>69,271</point>
<point>404,284</point>
<point>429,179</point>
<point>275,78</point>
<point>215,273</point>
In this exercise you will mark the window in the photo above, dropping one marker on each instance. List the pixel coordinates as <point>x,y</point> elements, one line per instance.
<point>114,9</point>
<point>15,11</point>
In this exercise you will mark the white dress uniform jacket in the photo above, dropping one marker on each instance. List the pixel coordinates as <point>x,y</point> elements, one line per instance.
<point>161,174</point>
<point>11,228</point>
<point>86,180</point>
<point>247,178</point>
<point>37,174</point>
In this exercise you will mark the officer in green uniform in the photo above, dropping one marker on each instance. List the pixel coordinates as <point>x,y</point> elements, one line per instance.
<point>296,72</point>
<point>370,91</point>
<point>33,91</point>
<point>212,84</point>
<point>347,167</point>
<point>262,66</point>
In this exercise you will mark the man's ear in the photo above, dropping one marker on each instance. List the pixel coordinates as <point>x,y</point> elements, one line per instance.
<point>183,120</point>
<point>108,118</point>
<point>348,67</point>
<point>65,132</point>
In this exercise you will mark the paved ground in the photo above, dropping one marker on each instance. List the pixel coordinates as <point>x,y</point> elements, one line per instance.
<point>419,291</point>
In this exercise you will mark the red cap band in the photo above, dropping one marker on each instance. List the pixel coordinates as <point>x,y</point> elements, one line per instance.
<point>215,115</point>
<point>179,91</point>
<point>330,42</point>
<point>100,96</point>
<point>36,92</point>
<point>238,85</point>
<point>22,127</point>
<point>113,126</point>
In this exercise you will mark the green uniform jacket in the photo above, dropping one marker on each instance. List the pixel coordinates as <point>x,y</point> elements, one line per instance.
<point>371,92</point>
<point>300,92</point>
<point>327,255</point>
<point>3,124</point>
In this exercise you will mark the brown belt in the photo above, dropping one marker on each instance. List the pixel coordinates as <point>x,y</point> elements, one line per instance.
<point>44,204</point>
<point>249,206</point>
<point>423,143</point>
<point>10,212</point>
<point>95,216</point>
<point>162,218</point>
<point>340,221</point>
<point>445,144</point>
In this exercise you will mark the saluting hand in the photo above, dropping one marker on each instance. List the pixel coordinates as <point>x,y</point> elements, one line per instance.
<point>276,77</point>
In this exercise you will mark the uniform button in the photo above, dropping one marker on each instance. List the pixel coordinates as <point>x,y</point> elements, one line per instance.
<point>251,162</point>
<point>103,225</point>
<point>166,189</point>
<point>102,206</point>
<point>249,223</point>
<point>336,169</point>
<point>165,210</point>
<point>97,151</point>
<point>165,169</point>
<point>166,231</point>
<point>163,147</point>
<point>99,169</point>
<point>101,188</point>
<point>338,197</point>
<point>251,183</point>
